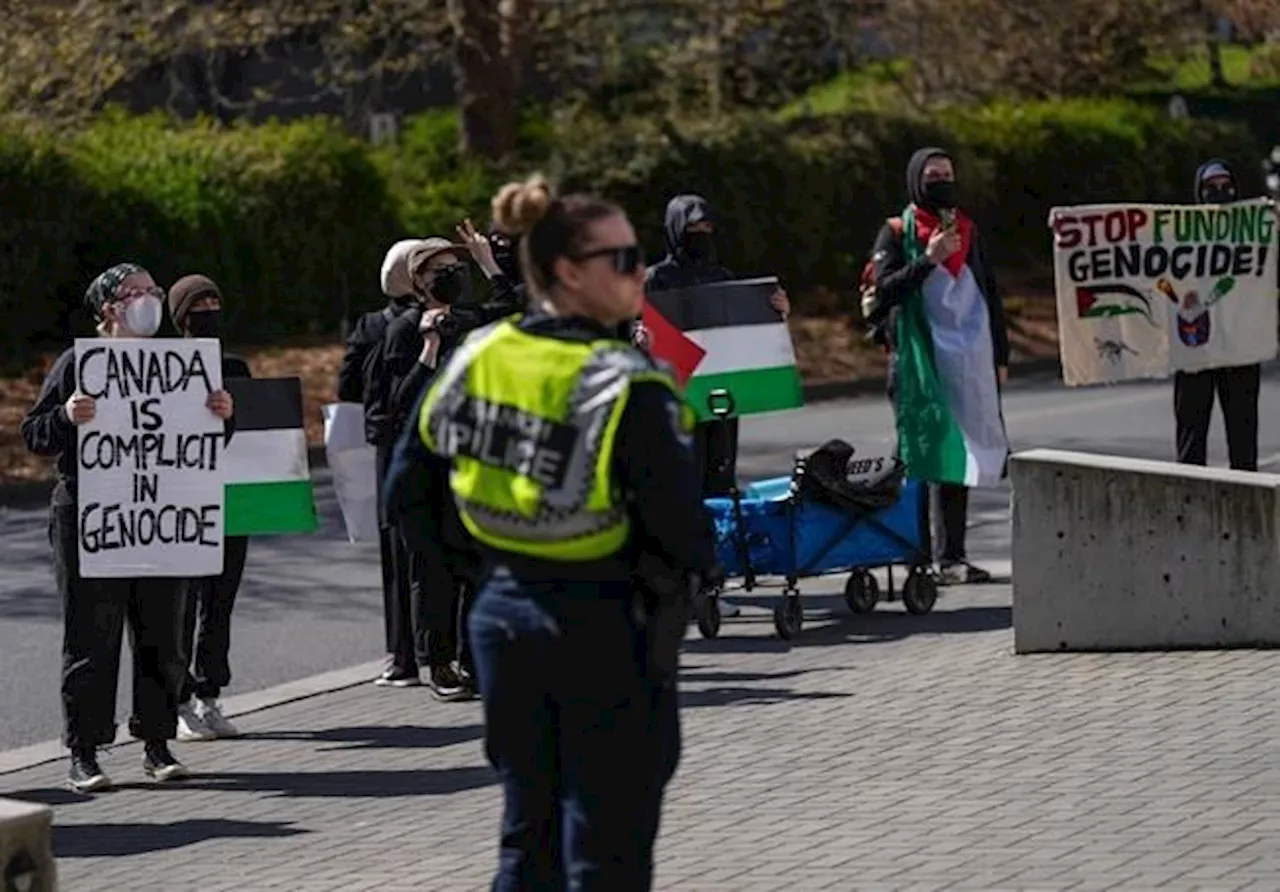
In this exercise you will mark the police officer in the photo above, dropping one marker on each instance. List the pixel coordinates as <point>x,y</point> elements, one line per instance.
<point>1236,386</point>
<point>126,303</point>
<point>572,468</point>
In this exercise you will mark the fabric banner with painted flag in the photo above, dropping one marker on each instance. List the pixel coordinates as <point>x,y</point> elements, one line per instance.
<point>746,341</point>
<point>266,471</point>
<point>1147,290</point>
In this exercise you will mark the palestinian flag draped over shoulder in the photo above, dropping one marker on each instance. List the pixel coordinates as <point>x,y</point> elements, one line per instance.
<point>268,477</point>
<point>950,429</point>
<point>744,343</point>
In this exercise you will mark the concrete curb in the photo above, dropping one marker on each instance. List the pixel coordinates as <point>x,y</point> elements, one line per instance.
<point>37,754</point>
<point>28,495</point>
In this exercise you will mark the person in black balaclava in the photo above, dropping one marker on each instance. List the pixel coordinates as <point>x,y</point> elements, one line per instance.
<point>1236,386</point>
<point>931,187</point>
<point>693,259</point>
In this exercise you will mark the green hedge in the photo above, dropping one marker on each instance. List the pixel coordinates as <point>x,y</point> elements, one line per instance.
<point>805,198</point>
<point>293,219</point>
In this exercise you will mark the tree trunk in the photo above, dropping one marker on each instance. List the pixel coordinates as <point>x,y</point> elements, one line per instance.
<point>486,89</point>
<point>517,25</point>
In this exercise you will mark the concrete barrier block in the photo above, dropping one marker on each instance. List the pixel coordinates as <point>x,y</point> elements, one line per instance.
<point>1122,554</point>
<point>26,847</point>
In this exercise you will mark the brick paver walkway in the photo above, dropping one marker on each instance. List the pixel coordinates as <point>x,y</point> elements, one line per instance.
<point>893,752</point>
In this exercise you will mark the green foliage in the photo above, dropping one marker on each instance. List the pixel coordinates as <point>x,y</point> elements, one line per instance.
<point>293,220</point>
<point>805,198</point>
<point>290,219</point>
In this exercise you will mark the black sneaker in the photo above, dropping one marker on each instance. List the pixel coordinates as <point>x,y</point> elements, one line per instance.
<point>159,764</point>
<point>448,684</point>
<point>395,677</point>
<point>86,775</point>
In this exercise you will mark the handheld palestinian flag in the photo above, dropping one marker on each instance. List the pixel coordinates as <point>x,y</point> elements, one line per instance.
<point>268,478</point>
<point>748,347</point>
<point>950,428</point>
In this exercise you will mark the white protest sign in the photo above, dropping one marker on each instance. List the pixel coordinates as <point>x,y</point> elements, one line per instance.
<point>354,466</point>
<point>150,478</point>
<point>1148,290</point>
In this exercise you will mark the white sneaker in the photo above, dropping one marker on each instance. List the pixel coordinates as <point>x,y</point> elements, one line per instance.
<point>210,714</point>
<point>191,727</point>
<point>728,609</point>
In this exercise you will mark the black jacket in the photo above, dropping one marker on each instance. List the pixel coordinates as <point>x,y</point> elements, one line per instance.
<point>677,269</point>
<point>652,465</point>
<point>896,279</point>
<point>406,377</point>
<point>48,431</point>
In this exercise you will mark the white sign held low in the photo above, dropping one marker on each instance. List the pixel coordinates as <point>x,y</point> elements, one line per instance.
<point>150,480</point>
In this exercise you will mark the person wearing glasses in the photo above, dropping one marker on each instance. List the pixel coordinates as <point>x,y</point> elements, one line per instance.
<point>126,303</point>
<point>572,470</point>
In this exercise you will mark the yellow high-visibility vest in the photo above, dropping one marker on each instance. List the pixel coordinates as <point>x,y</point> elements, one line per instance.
<point>529,422</point>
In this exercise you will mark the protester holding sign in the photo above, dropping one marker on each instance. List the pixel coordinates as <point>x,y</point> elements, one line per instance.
<point>127,304</point>
<point>195,305</point>
<point>692,259</point>
<point>1236,386</point>
<point>936,301</point>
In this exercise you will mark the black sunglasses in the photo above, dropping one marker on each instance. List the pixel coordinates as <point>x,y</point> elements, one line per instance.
<point>626,259</point>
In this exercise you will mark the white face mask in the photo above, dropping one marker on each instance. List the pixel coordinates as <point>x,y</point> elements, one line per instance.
<point>142,316</point>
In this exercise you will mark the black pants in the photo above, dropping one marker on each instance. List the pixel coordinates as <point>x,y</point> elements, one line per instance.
<point>397,606</point>
<point>207,646</point>
<point>949,517</point>
<point>444,586</point>
<point>715,449</point>
<point>1237,388</point>
<point>95,612</point>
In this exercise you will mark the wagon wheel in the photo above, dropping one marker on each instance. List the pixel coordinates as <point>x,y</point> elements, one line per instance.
<point>920,592</point>
<point>788,616</point>
<point>861,592</point>
<point>709,615</point>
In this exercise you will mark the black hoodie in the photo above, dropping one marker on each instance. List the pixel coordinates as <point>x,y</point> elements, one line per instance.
<point>678,269</point>
<point>896,278</point>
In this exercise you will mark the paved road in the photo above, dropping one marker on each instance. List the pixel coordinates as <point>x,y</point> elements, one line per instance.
<point>891,754</point>
<point>311,604</point>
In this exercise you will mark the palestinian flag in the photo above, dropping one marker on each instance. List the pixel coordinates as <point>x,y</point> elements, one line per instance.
<point>1096,301</point>
<point>746,342</point>
<point>950,429</point>
<point>268,476</point>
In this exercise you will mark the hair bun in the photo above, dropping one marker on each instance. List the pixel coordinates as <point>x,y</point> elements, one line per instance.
<point>518,206</point>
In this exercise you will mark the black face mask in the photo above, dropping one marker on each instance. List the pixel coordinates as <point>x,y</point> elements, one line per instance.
<point>700,246</point>
<point>204,323</point>
<point>1218,194</point>
<point>940,193</point>
<point>452,284</point>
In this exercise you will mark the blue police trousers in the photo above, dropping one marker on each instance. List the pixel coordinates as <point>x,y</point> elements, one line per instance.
<point>582,739</point>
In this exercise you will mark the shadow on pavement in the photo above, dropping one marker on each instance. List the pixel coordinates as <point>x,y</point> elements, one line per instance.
<point>838,626</point>
<point>115,840</point>
<point>380,737</point>
<point>51,796</point>
<point>750,696</point>
<point>338,784</point>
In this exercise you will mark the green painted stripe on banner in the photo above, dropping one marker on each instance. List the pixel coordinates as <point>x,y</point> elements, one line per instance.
<point>754,391</point>
<point>266,509</point>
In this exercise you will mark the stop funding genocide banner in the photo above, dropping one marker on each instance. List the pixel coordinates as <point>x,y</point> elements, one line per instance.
<point>150,481</point>
<point>1148,290</point>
